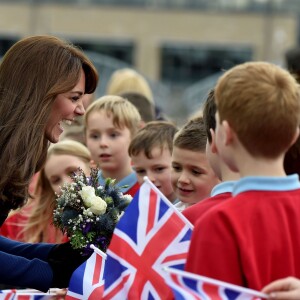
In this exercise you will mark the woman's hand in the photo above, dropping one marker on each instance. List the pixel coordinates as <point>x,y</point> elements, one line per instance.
<point>283,289</point>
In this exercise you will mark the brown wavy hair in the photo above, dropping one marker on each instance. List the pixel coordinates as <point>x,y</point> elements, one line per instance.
<point>32,73</point>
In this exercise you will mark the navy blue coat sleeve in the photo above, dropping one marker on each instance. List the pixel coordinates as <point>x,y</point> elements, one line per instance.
<point>25,265</point>
<point>19,271</point>
<point>27,250</point>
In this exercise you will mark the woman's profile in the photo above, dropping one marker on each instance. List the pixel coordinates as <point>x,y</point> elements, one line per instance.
<point>42,82</point>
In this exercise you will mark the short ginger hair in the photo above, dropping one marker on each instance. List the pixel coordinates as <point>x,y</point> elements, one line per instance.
<point>260,101</point>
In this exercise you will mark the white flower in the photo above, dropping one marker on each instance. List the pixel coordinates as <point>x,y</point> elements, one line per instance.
<point>87,193</point>
<point>98,206</point>
<point>127,197</point>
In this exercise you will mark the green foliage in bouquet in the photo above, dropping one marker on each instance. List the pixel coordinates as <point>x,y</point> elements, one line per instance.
<point>88,212</point>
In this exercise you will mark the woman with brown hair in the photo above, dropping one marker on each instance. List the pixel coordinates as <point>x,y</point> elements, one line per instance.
<point>42,81</point>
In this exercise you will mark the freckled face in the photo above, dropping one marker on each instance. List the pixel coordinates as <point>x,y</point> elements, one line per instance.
<point>65,108</point>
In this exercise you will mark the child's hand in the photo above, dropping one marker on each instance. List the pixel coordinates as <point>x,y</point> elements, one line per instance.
<point>60,294</point>
<point>283,289</point>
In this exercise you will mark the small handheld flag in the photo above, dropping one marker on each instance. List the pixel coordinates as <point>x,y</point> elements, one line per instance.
<point>151,234</point>
<point>87,280</point>
<point>189,286</point>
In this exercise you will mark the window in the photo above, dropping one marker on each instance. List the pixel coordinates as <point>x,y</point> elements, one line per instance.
<point>6,43</point>
<point>186,64</point>
<point>120,50</point>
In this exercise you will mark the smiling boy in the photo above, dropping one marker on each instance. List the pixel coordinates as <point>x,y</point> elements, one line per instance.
<point>151,152</point>
<point>192,176</point>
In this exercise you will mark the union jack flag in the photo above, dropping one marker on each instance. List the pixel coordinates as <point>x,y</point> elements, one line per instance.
<point>189,286</point>
<point>23,295</point>
<point>87,280</point>
<point>151,234</point>
<point>7,294</point>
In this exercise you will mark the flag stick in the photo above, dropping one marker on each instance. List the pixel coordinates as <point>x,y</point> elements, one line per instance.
<point>98,251</point>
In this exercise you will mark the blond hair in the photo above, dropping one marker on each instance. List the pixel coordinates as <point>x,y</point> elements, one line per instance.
<point>37,228</point>
<point>128,81</point>
<point>154,134</point>
<point>261,103</point>
<point>123,113</point>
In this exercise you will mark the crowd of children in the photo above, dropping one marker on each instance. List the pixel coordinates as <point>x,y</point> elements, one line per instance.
<point>250,233</point>
<point>224,170</point>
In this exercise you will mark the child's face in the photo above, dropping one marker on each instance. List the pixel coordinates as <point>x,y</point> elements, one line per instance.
<point>157,168</point>
<point>192,176</point>
<point>108,144</point>
<point>58,169</point>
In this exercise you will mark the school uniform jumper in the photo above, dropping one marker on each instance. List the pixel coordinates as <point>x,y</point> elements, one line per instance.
<point>253,238</point>
<point>130,181</point>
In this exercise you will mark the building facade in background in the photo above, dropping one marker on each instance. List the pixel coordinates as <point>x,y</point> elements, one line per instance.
<point>174,42</point>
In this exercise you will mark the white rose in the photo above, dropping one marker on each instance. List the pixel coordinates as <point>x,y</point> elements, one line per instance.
<point>87,193</point>
<point>98,206</point>
<point>127,197</point>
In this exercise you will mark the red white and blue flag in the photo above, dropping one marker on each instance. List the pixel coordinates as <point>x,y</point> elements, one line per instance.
<point>87,280</point>
<point>25,295</point>
<point>7,294</point>
<point>189,286</point>
<point>150,235</point>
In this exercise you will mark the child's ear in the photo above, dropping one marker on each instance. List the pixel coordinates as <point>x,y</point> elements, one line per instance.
<point>213,146</point>
<point>142,124</point>
<point>229,134</point>
<point>296,136</point>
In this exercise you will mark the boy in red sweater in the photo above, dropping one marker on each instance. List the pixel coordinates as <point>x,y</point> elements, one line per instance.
<point>221,191</point>
<point>254,237</point>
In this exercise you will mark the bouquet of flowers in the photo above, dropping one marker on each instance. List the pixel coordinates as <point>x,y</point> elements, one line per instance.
<point>88,212</point>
